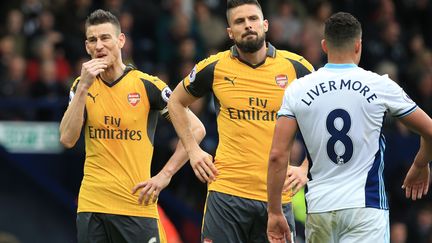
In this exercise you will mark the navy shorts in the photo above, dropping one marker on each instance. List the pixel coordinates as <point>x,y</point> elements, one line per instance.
<point>101,227</point>
<point>232,219</point>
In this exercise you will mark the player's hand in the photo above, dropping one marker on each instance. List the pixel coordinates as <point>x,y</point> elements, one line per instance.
<point>278,230</point>
<point>416,183</point>
<point>296,178</point>
<point>149,190</point>
<point>203,166</point>
<point>91,69</point>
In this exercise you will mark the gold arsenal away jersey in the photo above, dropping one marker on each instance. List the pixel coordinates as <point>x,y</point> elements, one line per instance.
<point>247,98</point>
<point>120,122</point>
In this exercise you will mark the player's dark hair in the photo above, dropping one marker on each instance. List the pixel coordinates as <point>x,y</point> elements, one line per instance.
<point>235,3</point>
<point>341,30</point>
<point>101,17</point>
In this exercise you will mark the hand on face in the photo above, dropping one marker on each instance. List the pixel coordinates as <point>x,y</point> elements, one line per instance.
<point>91,69</point>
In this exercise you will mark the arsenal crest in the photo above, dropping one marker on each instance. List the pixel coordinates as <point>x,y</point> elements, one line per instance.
<point>134,98</point>
<point>281,80</point>
<point>207,240</point>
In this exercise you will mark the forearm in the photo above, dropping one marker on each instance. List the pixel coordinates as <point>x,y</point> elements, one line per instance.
<point>277,170</point>
<point>182,124</point>
<point>72,121</point>
<point>180,156</point>
<point>424,155</point>
<point>176,161</point>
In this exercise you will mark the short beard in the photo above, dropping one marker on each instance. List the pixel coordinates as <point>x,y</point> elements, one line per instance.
<point>250,46</point>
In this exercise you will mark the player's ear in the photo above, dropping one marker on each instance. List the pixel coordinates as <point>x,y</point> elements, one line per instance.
<point>324,46</point>
<point>358,46</point>
<point>86,47</point>
<point>230,34</point>
<point>266,25</point>
<point>121,40</point>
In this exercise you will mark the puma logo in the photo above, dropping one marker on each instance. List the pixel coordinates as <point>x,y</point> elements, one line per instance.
<point>93,97</point>
<point>231,80</point>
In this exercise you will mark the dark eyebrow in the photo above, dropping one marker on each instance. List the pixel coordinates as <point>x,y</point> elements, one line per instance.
<point>105,35</point>
<point>100,36</point>
<point>253,16</point>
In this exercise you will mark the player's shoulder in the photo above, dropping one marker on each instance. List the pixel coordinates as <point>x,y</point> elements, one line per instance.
<point>291,56</point>
<point>307,81</point>
<point>144,77</point>
<point>381,79</point>
<point>288,55</point>
<point>75,84</point>
<point>211,60</point>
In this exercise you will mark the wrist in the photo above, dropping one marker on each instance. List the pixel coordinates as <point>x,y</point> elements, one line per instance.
<point>274,211</point>
<point>167,172</point>
<point>82,86</point>
<point>421,165</point>
<point>193,147</point>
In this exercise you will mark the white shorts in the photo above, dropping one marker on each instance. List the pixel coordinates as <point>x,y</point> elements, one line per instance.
<point>348,226</point>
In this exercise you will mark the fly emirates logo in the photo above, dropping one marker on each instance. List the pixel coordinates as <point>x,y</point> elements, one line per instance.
<point>258,111</point>
<point>113,131</point>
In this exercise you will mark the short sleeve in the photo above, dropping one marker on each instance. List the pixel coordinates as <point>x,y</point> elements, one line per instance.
<point>397,101</point>
<point>73,89</point>
<point>158,93</point>
<point>200,80</point>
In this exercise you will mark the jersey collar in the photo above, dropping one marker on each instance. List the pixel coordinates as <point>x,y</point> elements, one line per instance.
<point>340,65</point>
<point>271,52</point>
<point>129,67</point>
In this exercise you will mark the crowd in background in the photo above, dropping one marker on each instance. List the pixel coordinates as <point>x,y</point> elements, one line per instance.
<point>42,49</point>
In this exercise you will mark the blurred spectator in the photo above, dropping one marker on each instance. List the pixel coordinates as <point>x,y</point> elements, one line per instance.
<point>70,21</point>
<point>31,10</point>
<point>313,32</point>
<point>126,20</point>
<point>174,26</point>
<point>421,229</point>
<point>14,28</point>
<point>425,91</point>
<point>390,68</point>
<point>45,51</point>
<point>211,27</point>
<point>387,46</point>
<point>116,7</point>
<point>6,237</point>
<point>47,87</point>
<point>7,47</point>
<point>286,26</point>
<point>13,83</point>
<point>46,30</point>
<point>41,49</point>
<point>399,232</point>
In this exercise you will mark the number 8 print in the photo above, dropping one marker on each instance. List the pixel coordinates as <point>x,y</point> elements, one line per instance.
<point>339,135</point>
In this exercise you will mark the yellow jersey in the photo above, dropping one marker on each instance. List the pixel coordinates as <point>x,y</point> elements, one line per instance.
<point>120,122</point>
<point>247,99</point>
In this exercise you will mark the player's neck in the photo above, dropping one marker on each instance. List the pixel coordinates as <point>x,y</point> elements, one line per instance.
<point>340,58</point>
<point>255,57</point>
<point>113,72</point>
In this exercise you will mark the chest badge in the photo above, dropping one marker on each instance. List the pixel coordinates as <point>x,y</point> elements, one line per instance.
<point>281,80</point>
<point>134,98</point>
